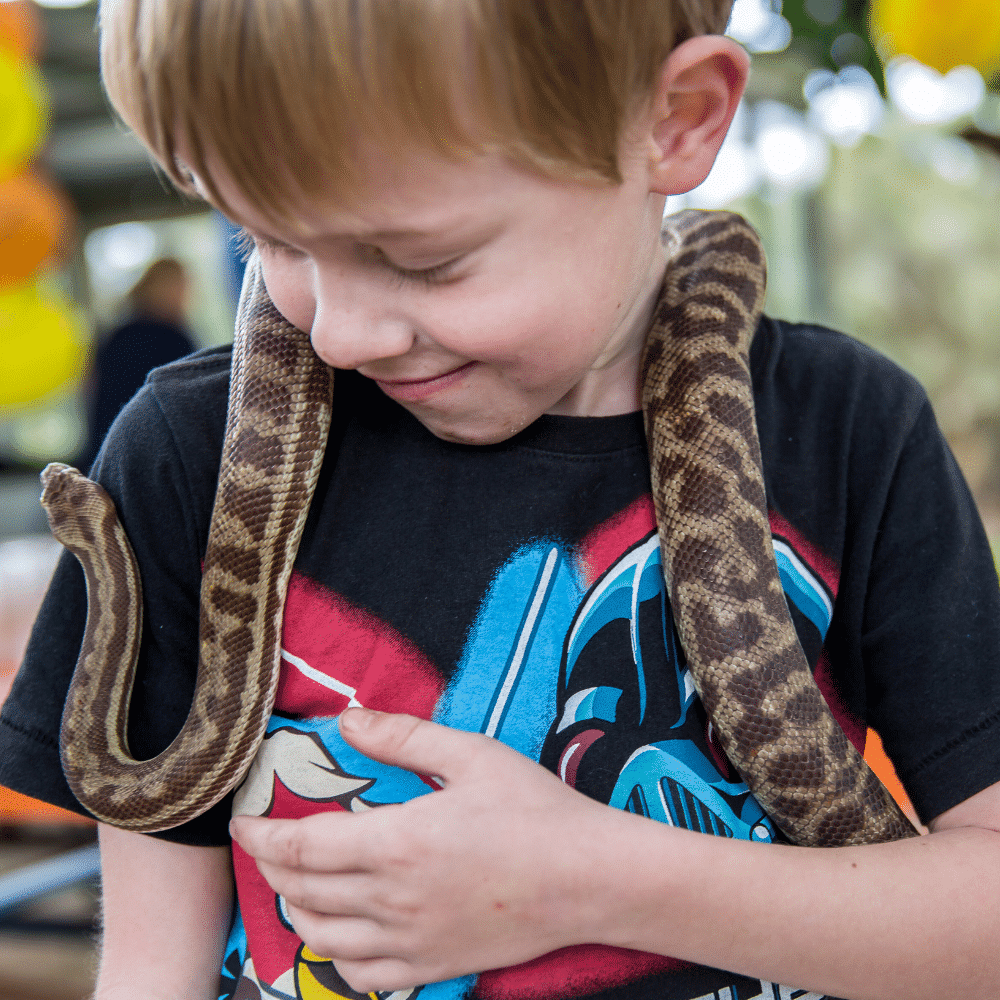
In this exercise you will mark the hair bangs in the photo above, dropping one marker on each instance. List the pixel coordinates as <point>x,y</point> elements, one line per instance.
<point>282,94</point>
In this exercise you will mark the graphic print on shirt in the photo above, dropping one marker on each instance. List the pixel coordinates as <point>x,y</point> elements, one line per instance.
<point>618,719</point>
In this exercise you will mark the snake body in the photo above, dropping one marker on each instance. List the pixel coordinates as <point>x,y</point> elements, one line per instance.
<point>708,489</point>
<point>276,429</point>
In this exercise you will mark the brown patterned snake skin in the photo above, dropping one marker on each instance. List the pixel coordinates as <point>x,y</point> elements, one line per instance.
<point>711,513</point>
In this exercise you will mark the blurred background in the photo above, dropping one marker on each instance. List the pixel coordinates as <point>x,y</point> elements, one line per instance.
<point>866,151</point>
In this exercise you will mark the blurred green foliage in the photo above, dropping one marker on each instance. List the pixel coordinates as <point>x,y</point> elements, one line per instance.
<point>835,33</point>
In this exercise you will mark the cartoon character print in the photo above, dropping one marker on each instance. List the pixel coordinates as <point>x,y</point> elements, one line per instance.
<point>618,719</point>
<point>630,731</point>
<point>305,767</point>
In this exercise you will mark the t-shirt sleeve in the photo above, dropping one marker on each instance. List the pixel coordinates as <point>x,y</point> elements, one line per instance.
<point>159,465</point>
<point>931,628</point>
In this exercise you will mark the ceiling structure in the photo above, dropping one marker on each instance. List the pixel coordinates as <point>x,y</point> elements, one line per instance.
<point>103,168</point>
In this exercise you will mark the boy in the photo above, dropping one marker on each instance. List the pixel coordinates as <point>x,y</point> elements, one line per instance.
<point>461,201</point>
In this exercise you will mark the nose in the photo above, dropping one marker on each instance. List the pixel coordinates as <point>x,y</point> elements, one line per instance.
<point>350,329</point>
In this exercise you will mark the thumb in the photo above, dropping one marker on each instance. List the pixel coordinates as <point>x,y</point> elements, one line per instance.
<point>410,743</point>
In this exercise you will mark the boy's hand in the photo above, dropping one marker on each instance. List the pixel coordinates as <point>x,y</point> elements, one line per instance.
<point>493,870</point>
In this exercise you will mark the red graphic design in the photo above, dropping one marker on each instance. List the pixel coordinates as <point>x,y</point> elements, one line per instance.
<point>572,972</point>
<point>348,647</point>
<point>569,762</point>
<point>604,546</point>
<point>274,946</point>
<point>353,647</point>
<point>816,559</point>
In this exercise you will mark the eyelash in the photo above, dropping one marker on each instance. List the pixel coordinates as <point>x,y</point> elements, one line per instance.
<point>245,243</point>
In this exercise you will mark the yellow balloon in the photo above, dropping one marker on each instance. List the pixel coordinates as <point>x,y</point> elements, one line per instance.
<point>23,112</point>
<point>938,34</point>
<point>43,345</point>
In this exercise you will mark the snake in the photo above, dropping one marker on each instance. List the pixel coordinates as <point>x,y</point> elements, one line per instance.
<point>710,503</point>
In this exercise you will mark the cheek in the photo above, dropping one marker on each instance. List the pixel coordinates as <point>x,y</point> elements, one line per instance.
<point>517,325</point>
<point>289,286</point>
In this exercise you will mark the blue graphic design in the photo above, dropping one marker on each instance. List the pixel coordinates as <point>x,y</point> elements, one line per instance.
<point>674,783</point>
<point>803,588</point>
<point>669,780</point>
<point>390,784</point>
<point>635,578</point>
<point>591,703</point>
<point>505,683</point>
<point>236,955</point>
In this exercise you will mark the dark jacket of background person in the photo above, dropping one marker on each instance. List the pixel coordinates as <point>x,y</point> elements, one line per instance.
<point>154,335</point>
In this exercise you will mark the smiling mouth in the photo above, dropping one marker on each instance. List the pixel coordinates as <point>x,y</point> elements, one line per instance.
<point>412,389</point>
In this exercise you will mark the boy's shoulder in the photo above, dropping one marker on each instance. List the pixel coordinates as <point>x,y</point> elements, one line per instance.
<point>794,346</point>
<point>206,370</point>
<point>810,367</point>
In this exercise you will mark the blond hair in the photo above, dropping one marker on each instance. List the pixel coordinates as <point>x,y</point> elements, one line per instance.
<point>282,91</point>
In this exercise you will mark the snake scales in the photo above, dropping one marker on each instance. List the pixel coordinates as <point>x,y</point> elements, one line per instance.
<point>711,514</point>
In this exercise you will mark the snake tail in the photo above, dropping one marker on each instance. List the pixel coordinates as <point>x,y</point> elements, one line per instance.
<point>276,430</point>
<point>95,717</point>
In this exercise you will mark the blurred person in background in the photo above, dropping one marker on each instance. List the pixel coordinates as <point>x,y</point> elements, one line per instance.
<point>154,334</point>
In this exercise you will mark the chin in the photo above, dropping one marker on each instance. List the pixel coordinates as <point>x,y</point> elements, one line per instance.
<point>482,431</point>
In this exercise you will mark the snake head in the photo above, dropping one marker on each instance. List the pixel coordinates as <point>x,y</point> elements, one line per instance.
<point>55,478</point>
<point>66,492</point>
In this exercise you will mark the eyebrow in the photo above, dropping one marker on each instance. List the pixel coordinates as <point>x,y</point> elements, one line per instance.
<point>458,229</point>
<point>457,234</point>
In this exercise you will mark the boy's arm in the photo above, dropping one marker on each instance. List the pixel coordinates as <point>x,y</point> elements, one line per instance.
<point>166,913</point>
<point>508,863</point>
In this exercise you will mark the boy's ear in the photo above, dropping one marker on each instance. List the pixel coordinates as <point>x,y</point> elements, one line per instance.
<point>691,107</point>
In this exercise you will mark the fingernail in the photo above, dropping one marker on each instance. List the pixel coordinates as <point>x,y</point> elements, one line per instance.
<point>356,720</point>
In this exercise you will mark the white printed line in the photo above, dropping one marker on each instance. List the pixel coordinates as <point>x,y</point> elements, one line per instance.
<point>325,679</point>
<point>522,643</point>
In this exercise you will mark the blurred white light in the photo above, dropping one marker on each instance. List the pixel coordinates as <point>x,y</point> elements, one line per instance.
<point>63,3</point>
<point>845,106</point>
<point>748,19</point>
<point>48,433</point>
<point>755,24</point>
<point>954,160</point>
<point>116,255</point>
<point>792,156</point>
<point>923,95</point>
<point>124,247</point>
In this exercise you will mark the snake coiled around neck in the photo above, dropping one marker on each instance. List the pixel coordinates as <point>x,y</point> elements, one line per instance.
<point>711,512</point>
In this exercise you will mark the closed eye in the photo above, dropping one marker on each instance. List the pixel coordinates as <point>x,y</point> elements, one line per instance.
<point>436,275</point>
<point>246,242</point>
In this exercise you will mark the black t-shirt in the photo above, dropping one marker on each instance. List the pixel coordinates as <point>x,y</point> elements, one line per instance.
<point>516,589</point>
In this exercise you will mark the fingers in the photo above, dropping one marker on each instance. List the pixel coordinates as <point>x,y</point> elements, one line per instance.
<point>367,955</point>
<point>342,939</point>
<point>380,975</point>
<point>411,743</point>
<point>323,842</point>
<point>347,896</point>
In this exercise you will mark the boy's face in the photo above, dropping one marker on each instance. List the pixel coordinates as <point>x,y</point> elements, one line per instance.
<point>476,294</point>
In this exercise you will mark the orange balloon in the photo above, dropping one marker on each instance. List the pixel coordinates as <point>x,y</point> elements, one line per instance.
<point>20,28</point>
<point>34,222</point>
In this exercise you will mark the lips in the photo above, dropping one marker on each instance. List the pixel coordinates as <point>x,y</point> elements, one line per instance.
<point>410,390</point>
